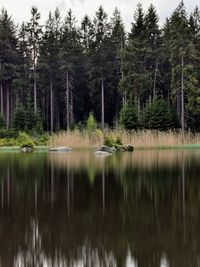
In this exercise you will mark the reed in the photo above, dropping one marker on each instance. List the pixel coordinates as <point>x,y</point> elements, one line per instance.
<point>141,139</point>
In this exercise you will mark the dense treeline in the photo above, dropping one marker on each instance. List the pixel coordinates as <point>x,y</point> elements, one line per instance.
<point>53,76</point>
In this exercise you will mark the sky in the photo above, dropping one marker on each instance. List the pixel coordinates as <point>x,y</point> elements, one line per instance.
<point>20,9</point>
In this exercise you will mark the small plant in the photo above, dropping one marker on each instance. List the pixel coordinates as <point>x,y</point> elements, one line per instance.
<point>118,141</point>
<point>91,123</point>
<point>109,141</point>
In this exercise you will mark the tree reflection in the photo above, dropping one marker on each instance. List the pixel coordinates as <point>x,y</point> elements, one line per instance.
<point>137,210</point>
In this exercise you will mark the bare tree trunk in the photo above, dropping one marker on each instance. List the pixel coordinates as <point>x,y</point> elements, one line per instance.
<point>102,104</point>
<point>1,100</point>
<point>138,104</point>
<point>51,101</point>
<point>67,97</point>
<point>1,89</point>
<point>71,107</point>
<point>182,99</point>
<point>35,91</point>
<point>7,108</point>
<point>154,82</point>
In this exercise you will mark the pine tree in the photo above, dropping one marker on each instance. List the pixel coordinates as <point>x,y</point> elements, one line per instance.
<point>71,54</point>
<point>157,115</point>
<point>153,35</point>
<point>129,117</point>
<point>49,64</point>
<point>136,80</point>
<point>19,119</point>
<point>184,78</point>
<point>8,61</point>
<point>34,31</point>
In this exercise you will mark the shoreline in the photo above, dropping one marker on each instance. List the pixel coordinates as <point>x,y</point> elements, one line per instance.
<point>82,149</point>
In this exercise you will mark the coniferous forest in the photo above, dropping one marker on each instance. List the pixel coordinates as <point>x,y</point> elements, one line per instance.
<point>53,75</point>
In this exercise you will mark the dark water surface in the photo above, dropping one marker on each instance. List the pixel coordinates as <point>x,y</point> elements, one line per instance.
<point>138,209</point>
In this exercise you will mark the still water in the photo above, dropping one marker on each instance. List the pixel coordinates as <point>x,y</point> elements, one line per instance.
<point>138,209</point>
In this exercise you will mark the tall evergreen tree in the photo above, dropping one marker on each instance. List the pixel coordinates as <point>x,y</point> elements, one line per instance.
<point>8,61</point>
<point>137,78</point>
<point>34,31</point>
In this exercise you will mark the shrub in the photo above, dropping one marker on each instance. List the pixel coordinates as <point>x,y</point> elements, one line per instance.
<point>41,140</point>
<point>19,119</point>
<point>91,123</point>
<point>157,115</point>
<point>129,117</point>
<point>24,140</point>
<point>118,141</point>
<point>2,122</point>
<point>109,141</point>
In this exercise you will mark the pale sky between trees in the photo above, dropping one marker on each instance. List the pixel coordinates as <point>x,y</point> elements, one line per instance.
<point>20,9</point>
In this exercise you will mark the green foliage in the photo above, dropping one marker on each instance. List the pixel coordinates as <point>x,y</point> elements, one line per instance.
<point>24,140</point>
<point>129,117</point>
<point>19,119</point>
<point>157,115</point>
<point>111,141</point>
<point>91,123</point>
<point>2,122</point>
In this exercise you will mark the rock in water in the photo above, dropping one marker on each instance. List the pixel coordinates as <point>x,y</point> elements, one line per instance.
<point>60,149</point>
<point>107,149</point>
<point>129,148</point>
<point>102,154</point>
<point>26,149</point>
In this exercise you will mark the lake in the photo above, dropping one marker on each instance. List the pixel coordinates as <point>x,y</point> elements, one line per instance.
<point>137,209</point>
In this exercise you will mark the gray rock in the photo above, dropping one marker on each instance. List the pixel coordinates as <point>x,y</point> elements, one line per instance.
<point>26,149</point>
<point>60,149</point>
<point>102,154</point>
<point>107,149</point>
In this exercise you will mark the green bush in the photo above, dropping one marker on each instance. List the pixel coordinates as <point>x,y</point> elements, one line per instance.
<point>118,141</point>
<point>91,123</point>
<point>2,122</point>
<point>6,134</point>
<point>110,141</point>
<point>158,116</point>
<point>24,140</point>
<point>41,140</point>
<point>129,117</point>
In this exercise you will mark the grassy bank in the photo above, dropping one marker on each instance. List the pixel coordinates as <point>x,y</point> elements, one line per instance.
<point>140,140</point>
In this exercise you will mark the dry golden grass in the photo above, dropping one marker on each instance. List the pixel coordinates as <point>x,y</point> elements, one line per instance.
<point>142,139</point>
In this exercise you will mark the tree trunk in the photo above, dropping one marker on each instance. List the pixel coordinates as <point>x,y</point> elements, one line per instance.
<point>1,93</point>
<point>51,104</point>
<point>67,98</point>
<point>182,99</point>
<point>102,105</point>
<point>71,107</point>
<point>1,90</point>
<point>154,82</point>
<point>7,108</point>
<point>35,90</point>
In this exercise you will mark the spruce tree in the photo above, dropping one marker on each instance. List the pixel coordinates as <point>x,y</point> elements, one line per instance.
<point>34,31</point>
<point>137,77</point>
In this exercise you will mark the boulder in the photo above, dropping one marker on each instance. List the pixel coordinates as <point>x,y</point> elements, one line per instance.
<point>60,149</point>
<point>26,149</point>
<point>102,154</point>
<point>129,148</point>
<point>107,149</point>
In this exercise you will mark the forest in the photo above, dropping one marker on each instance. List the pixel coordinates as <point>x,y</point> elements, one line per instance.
<point>53,76</point>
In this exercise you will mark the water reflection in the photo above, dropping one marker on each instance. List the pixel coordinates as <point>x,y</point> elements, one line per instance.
<point>134,210</point>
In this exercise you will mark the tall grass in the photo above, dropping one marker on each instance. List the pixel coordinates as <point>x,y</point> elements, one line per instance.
<point>141,139</point>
